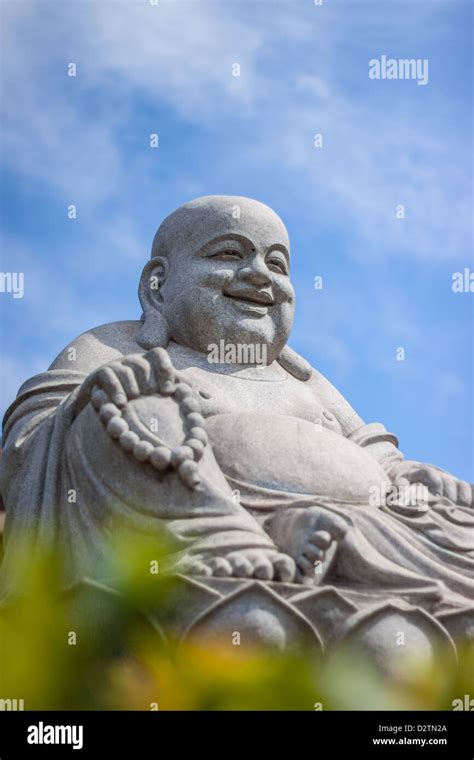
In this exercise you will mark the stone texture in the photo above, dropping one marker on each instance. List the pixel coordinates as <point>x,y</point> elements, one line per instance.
<point>199,424</point>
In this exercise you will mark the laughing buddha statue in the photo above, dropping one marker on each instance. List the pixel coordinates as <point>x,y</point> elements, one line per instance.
<point>276,496</point>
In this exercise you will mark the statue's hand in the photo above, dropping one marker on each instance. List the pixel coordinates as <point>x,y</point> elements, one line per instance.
<point>264,564</point>
<point>438,482</point>
<point>306,534</point>
<point>132,376</point>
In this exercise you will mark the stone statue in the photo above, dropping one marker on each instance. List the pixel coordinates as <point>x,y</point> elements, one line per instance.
<point>287,513</point>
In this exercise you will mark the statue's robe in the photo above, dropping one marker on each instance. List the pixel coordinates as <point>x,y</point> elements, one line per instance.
<point>65,482</point>
<point>402,547</point>
<point>65,486</point>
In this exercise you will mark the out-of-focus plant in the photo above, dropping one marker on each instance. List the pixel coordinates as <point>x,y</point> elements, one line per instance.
<point>93,648</point>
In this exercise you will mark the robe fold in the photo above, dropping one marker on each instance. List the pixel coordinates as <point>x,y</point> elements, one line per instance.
<point>51,452</point>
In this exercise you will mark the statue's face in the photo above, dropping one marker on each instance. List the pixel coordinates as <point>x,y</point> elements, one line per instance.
<point>235,287</point>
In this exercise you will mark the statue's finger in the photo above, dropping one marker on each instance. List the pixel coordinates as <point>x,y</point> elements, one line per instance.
<point>143,374</point>
<point>98,397</point>
<point>108,380</point>
<point>127,377</point>
<point>159,357</point>
<point>449,488</point>
<point>433,481</point>
<point>401,483</point>
<point>404,492</point>
<point>163,370</point>
<point>464,497</point>
<point>424,475</point>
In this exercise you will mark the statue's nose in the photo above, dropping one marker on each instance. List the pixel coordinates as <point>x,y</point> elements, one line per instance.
<point>256,273</point>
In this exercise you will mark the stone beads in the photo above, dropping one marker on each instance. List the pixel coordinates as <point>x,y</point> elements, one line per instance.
<point>183,459</point>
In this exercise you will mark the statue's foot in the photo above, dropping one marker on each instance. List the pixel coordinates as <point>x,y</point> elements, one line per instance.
<point>264,564</point>
<point>310,535</point>
<point>313,553</point>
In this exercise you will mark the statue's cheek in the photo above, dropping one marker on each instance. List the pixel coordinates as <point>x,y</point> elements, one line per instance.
<point>216,278</point>
<point>282,317</point>
<point>284,291</point>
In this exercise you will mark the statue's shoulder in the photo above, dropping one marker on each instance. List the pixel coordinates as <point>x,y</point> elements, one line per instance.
<point>98,346</point>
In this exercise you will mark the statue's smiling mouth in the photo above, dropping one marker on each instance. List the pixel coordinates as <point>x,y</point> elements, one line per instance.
<point>253,298</point>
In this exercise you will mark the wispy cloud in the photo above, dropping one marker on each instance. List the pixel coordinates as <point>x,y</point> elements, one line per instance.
<point>296,79</point>
<point>303,70</point>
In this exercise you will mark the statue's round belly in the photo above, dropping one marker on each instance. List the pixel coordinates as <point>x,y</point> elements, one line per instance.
<point>291,454</point>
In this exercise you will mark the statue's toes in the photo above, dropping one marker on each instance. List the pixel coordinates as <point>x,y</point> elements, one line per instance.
<point>220,567</point>
<point>322,539</point>
<point>198,568</point>
<point>263,569</point>
<point>241,566</point>
<point>331,523</point>
<point>305,565</point>
<point>284,568</point>
<point>313,553</point>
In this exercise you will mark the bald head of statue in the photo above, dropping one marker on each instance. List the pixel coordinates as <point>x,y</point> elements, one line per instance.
<point>220,271</point>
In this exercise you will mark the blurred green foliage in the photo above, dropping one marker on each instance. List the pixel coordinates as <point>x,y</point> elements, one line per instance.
<point>93,648</point>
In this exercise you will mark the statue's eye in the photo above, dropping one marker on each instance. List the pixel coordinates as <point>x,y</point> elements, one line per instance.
<point>275,262</point>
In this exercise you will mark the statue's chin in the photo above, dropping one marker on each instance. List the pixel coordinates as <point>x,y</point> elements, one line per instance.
<point>293,455</point>
<point>250,328</point>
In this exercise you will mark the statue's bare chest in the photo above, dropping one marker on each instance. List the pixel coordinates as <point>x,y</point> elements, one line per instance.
<point>230,394</point>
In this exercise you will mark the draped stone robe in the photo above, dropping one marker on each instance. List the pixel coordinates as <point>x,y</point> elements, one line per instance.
<point>52,450</point>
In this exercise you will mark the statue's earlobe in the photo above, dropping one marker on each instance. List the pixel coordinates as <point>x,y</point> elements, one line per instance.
<point>154,330</point>
<point>295,364</point>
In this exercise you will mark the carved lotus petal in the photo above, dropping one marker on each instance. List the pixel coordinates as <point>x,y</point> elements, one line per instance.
<point>395,635</point>
<point>260,617</point>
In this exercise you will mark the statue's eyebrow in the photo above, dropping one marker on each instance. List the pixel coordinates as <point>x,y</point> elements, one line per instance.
<point>222,238</point>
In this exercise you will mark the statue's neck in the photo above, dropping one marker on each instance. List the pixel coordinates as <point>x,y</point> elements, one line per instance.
<point>184,357</point>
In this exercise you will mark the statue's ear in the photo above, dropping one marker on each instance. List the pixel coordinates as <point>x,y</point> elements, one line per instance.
<point>153,276</point>
<point>295,364</point>
<point>154,330</point>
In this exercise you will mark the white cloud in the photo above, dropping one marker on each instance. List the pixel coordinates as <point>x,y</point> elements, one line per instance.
<point>59,131</point>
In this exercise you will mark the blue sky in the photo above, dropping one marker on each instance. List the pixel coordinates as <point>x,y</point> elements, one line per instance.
<point>167,69</point>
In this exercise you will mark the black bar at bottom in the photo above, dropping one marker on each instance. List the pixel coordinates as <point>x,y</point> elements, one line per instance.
<point>374,734</point>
